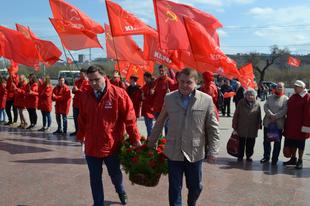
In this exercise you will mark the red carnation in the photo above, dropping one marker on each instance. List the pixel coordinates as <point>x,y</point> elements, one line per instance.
<point>152,163</point>
<point>144,146</point>
<point>163,141</point>
<point>150,154</point>
<point>135,160</point>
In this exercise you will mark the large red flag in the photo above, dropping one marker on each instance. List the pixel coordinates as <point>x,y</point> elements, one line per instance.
<point>170,24</point>
<point>206,50</point>
<point>15,46</point>
<point>294,62</point>
<point>13,69</point>
<point>247,76</point>
<point>123,48</point>
<point>74,38</point>
<point>65,11</point>
<point>49,54</point>
<point>124,23</point>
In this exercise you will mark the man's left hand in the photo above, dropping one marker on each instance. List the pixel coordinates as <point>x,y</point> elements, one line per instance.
<point>136,144</point>
<point>211,159</point>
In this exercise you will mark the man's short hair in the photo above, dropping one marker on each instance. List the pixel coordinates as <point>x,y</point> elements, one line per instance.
<point>96,68</point>
<point>189,72</point>
<point>83,70</point>
<point>147,74</point>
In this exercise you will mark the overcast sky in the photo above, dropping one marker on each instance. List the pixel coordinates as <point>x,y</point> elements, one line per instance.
<point>249,25</point>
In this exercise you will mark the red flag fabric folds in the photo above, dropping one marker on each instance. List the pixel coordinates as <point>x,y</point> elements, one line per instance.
<point>294,62</point>
<point>125,47</point>
<point>170,24</point>
<point>15,46</point>
<point>246,77</point>
<point>13,69</point>
<point>124,23</point>
<point>49,54</point>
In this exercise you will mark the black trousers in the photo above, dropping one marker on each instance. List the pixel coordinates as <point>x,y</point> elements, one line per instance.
<point>9,104</point>
<point>226,105</point>
<point>32,116</point>
<point>246,144</point>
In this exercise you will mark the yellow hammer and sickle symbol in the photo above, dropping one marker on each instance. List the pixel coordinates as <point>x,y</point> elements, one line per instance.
<point>171,16</point>
<point>135,69</point>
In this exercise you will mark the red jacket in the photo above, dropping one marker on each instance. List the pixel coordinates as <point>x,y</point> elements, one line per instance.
<point>82,86</point>
<point>3,95</point>
<point>33,98</point>
<point>297,112</point>
<point>163,85</point>
<point>102,123</point>
<point>45,98</point>
<point>135,94</point>
<point>147,101</point>
<point>62,97</point>
<point>20,91</point>
<point>14,79</point>
<point>118,82</point>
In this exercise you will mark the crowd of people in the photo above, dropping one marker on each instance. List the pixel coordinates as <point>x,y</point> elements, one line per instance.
<point>104,108</point>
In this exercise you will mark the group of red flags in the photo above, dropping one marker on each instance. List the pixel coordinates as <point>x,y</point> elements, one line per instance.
<point>185,37</point>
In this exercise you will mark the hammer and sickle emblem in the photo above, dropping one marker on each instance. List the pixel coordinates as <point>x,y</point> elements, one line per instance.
<point>171,16</point>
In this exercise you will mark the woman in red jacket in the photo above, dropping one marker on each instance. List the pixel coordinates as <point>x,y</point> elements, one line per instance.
<point>3,94</point>
<point>62,97</point>
<point>135,93</point>
<point>19,100</point>
<point>12,80</point>
<point>32,100</point>
<point>295,131</point>
<point>45,103</point>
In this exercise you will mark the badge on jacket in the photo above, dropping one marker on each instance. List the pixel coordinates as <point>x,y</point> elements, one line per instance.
<point>108,104</point>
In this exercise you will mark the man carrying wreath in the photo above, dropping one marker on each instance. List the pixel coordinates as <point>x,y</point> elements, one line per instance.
<point>193,127</point>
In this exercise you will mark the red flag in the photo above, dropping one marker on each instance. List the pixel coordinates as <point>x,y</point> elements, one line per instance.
<point>15,46</point>
<point>13,69</point>
<point>206,50</point>
<point>124,23</point>
<point>247,76</point>
<point>170,24</point>
<point>65,11</point>
<point>49,54</point>
<point>294,62</point>
<point>135,70</point>
<point>69,60</point>
<point>229,94</point>
<point>75,38</point>
<point>125,47</point>
<point>122,67</point>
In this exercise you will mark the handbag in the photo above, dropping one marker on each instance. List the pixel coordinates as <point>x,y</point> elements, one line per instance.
<point>233,145</point>
<point>273,133</point>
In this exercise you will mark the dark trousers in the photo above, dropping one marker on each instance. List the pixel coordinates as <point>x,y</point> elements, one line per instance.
<point>156,114</point>
<point>267,147</point>
<point>64,122</point>
<point>149,125</point>
<point>46,117</point>
<point>246,144</point>
<point>226,105</point>
<point>8,105</point>
<point>95,173</point>
<point>193,177</point>
<point>75,117</point>
<point>32,116</point>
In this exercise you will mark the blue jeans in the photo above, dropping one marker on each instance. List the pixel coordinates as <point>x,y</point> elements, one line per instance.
<point>193,177</point>
<point>2,115</point>
<point>46,117</point>
<point>156,114</point>
<point>75,117</point>
<point>64,123</point>
<point>149,125</point>
<point>267,147</point>
<point>95,173</point>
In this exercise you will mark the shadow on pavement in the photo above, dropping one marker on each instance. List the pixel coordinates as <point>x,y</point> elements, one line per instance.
<point>268,169</point>
<point>45,142</point>
<point>59,160</point>
<point>20,149</point>
<point>109,203</point>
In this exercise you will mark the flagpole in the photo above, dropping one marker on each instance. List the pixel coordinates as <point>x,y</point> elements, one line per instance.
<point>74,60</point>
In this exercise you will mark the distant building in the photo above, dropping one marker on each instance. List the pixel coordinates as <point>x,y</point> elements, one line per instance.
<point>81,58</point>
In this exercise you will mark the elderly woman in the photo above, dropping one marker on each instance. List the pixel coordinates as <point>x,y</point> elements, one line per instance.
<point>297,124</point>
<point>246,122</point>
<point>275,111</point>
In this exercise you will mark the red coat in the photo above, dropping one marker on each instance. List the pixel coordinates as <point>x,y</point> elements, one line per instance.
<point>297,114</point>
<point>135,94</point>
<point>117,82</point>
<point>82,86</point>
<point>147,101</point>
<point>33,97</point>
<point>20,98</point>
<point>14,79</point>
<point>102,124</point>
<point>3,95</point>
<point>163,85</point>
<point>45,98</point>
<point>62,97</point>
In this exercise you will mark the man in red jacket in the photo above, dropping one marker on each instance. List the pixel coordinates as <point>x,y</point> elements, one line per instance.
<point>32,98</point>
<point>12,80</point>
<point>81,85</point>
<point>105,112</point>
<point>62,97</point>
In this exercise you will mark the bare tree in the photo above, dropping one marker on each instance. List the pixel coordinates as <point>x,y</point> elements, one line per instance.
<point>262,66</point>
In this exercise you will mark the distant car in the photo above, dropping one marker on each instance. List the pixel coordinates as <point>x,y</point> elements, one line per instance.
<point>69,75</point>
